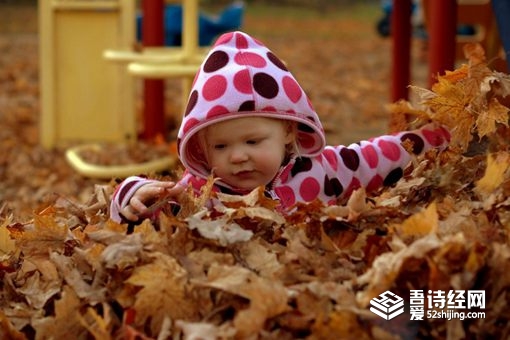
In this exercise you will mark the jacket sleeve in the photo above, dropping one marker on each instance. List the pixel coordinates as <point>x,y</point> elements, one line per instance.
<point>379,161</point>
<point>122,195</point>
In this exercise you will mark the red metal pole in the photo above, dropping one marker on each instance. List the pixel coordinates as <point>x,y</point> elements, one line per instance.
<point>401,49</point>
<point>442,30</point>
<point>154,89</point>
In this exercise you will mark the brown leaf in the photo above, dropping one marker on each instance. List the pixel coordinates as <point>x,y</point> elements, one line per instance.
<point>66,319</point>
<point>155,301</point>
<point>267,297</point>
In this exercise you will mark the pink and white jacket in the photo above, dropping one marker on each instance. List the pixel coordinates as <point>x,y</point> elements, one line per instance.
<point>241,77</point>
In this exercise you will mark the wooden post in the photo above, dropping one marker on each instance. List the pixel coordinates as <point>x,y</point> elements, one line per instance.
<point>401,49</point>
<point>154,89</point>
<point>442,30</point>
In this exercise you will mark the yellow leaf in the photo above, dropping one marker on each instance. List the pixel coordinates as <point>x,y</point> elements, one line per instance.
<point>7,245</point>
<point>487,119</point>
<point>420,224</point>
<point>494,175</point>
<point>451,108</point>
<point>457,75</point>
<point>97,325</point>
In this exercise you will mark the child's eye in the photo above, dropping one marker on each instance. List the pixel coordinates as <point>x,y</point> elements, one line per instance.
<point>219,146</point>
<point>252,141</point>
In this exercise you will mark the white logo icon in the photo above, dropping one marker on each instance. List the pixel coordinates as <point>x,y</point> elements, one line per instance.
<point>387,305</point>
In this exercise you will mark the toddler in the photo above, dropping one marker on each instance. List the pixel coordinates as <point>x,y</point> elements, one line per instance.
<point>249,123</point>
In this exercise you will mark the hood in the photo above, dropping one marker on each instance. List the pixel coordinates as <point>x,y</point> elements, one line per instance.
<point>240,77</point>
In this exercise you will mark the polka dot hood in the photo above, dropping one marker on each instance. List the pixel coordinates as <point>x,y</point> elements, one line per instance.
<point>241,77</point>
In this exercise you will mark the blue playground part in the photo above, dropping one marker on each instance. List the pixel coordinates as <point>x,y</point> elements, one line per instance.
<point>209,27</point>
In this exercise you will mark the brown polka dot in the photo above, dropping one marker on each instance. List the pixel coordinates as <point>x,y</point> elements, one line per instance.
<point>302,164</point>
<point>192,101</point>
<point>332,187</point>
<point>248,105</point>
<point>350,158</point>
<point>416,140</point>
<point>265,85</point>
<point>216,61</point>
<point>393,177</point>
<point>276,61</point>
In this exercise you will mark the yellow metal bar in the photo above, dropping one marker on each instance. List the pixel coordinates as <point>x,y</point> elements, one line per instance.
<point>129,56</point>
<point>167,55</point>
<point>190,29</point>
<point>127,91</point>
<point>111,171</point>
<point>162,71</point>
<point>47,72</point>
<point>81,5</point>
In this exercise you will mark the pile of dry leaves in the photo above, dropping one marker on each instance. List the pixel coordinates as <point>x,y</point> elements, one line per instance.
<point>242,270</point>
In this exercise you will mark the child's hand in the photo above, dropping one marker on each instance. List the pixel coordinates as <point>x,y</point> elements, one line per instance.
<point>149,194</point>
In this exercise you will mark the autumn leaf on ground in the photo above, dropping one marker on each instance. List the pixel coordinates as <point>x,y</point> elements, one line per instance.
<point>37,290</point>
<point>220,229</point>
<point>419,224</point>
<point>487,120</point>
<point>65,321</point>
<point>45,233</point>
<point>402,112</point>
<point>386,267</point>
<point>7,244</point>
<point>7,330</point>
<point>261,258</point>
<point>268,298</point>
<point>164,292</point>
<point>497,166</point>
<point>100,327</point>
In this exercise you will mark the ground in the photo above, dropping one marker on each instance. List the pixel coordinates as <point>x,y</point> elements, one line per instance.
<point>337,56</point>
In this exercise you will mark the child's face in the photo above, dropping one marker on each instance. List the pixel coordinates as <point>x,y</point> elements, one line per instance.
<point>247,152</point>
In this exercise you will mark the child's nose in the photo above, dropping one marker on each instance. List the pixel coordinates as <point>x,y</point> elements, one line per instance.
<point>238,155</point>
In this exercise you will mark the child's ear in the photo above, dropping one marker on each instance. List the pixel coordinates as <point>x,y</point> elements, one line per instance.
<point>291,132</point>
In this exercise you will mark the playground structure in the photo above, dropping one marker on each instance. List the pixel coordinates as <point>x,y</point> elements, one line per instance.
<point>209,27</point>
<point>83,97</point>
<point>88,69</point>
<point>444,44</point>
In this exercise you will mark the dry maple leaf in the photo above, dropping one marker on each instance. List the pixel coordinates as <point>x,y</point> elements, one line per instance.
<point>45,233</point>
<point>497,166</point>
<point>221,229</point>
<point>451,106</point>
<point>419,224</point>
<point>465,101</point>
<point>487,120</point>
<point>164,292</point>
<point>261,258</point>
<point>267,297</point>
<point>7,244</point>
<point>66,320</point>
<point>386,267</point>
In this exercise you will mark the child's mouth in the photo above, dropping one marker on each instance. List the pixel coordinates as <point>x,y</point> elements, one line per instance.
<point>244,173</point>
